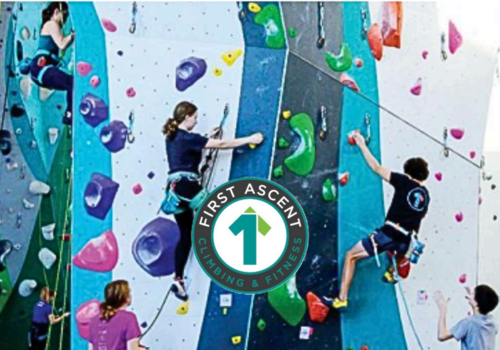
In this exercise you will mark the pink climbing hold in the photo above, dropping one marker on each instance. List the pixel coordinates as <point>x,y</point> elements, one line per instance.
<point>358,62</point>
<point>84,314</point>
<point>455,39</point>
<point>99,254</point>
<point>108,25</point>
<point>137,189</point>
<point>472,154</point>
<point>417,88</point>
<point>459,217</point>
<point>131,92</point>
<point>463,278</point>
<point>83,68</point>
<point>349,82</point>
<point>425,53</point>
<point>439,176</point>
<point>457,133</point>
<point>95,81</point>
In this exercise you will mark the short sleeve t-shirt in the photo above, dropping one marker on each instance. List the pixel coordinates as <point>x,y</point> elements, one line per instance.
<point>409,205</point>
<point>184,151</point>
<point>476,332</point>
<point>41,312</point>
<point>115,333</point>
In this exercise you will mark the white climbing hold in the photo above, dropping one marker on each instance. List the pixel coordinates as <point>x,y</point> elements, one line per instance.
<point>38,187</point>
<point>25,33</point>
<point>305,332</point>
<point>27,287</point>
<point>27,204</point>
<point>53,134</point>
<point>44,94</point>
<point>47,258</point>
<point>19,131</point>
<point>26,86</point>
<point>226,300</point>
<point>48,232</point>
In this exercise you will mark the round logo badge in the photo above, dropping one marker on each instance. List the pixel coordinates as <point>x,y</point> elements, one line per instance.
<point>250,235</point>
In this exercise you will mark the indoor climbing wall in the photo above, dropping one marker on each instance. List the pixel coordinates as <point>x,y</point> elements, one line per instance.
<point>35,186</point>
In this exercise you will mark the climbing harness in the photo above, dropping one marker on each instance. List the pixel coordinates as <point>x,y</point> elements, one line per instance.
<point>364,21</point>
<point>321,25</point>
<point>130,135</point>
<point>446,149</point>
<point>323,129</point>
<point>172,202</point>
<point>133,25</point>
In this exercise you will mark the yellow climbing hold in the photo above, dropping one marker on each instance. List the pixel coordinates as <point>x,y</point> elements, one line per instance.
<point>236,339</point>
<point>231,56</point>
<point>253,7</point>
<point>217,72</point>
<point>183,308</point>
<point>224,311</point>
<point>287,114</point>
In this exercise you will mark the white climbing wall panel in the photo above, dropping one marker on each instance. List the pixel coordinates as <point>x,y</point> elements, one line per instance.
<point>166,33</point>
<point>451,97</point>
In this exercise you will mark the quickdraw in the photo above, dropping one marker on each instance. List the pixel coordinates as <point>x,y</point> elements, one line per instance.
<point>364,23</point>
<point>321,25</point>
<point>130,134</point>
<point>446,150</point>
<point>133,25</point>
<point>368,128</point>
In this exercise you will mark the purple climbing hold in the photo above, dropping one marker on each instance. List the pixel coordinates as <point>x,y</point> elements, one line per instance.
<point>154,247</point>
<point>144,324</point>
<point>114,136</point>
<point>189,71</point>
<point>151,175</point>
<point>120,53</point>
<point>99,195</point>
<point>93,109</point>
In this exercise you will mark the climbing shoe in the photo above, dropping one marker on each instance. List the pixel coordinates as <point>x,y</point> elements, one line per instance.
<point>336,303</point>
<point>179,289</point>
<point>389,278</point>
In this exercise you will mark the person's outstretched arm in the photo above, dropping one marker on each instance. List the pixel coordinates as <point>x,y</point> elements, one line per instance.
<point>56,319</point>
<point>372,162</point>
<point>444,333</point>
<point>55,32</point>
<point>256,139</point>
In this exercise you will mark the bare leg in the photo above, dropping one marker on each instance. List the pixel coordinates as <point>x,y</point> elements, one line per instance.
<point>356,253</point>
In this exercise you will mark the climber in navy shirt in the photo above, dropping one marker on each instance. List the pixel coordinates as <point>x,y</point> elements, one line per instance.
<point>409,206</point>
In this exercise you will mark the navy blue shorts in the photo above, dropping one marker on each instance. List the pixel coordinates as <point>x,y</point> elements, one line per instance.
<point>384,244</point>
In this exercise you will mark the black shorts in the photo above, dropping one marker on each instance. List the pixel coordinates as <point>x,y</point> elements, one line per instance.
<point>384,244</point>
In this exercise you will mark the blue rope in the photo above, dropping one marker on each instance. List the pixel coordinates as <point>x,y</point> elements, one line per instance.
<point>393,258</point>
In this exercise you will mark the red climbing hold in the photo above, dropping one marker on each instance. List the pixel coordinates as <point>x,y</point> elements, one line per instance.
<point>472,154</point>
<point>459,217</point>
<point>317,310</point>
<point>137,189</point>
<point>455,39</point>
<point>131,92</point>
<point>349,82</point>
<point>344,178</point>
<point>358,62</point>
<point>417,88</point>
<point>350,139</point>
<point>439,176</point>
<point>425,53</point>
<point>83,68</point>
<point>392,23</point>
<point>457,133</point>
<point>463,278</point>
<point>364,347</point>
<point>66,237</point>
<point>108,25</point>
<point>375,41</point>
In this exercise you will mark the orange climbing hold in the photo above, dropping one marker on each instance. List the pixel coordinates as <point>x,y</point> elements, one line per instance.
<point>365,347</point>
<point>344,178</point>
<point>392,23</point>
<point>317,310</point>
<point>375,41</point>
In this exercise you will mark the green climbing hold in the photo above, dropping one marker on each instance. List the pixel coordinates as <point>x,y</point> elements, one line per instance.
<point>292,33</point>
<point>283,143</point>
<point>278,171</point>
<point>261,325</point>
<point>341,62</point>
<point>329,192</point>
<point>301,162</point>
<point>287,302</point>
<point>269,17</point>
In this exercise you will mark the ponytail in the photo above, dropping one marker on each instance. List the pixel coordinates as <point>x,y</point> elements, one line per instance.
<point>48,12</point>
<point>107,311</point>
<point>181,111</point>
<point>116,295</point>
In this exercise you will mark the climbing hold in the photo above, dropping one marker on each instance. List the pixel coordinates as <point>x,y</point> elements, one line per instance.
<point>375,41</point>
<point>120,53</point>
<point>236,339</point>
<point>144,324</point>
<point>340,62</point>
<point>270,18</point>
<point>261,325</point>
<point>226,300</point>
<point>25,33</point>
<point>439,176</point>
<point>183,309</point>
<point>364,347</point>
<point>53,135</point>
<point>292,32</point>
<point>26,288</point>
<point>425,53</point>
<point>47,258</point>
<point>5,142</point>
<point>108,25</point>
<point>189,71</point>
<point>130,92</point>
<point>286,301</point>
<point>151,175</point>
<point>305,332</point>
<point>253,7</point>
<point>217,72</point>
<point>99,195</point>
<point>5,250</point>
<point>95,81</point>
<point>26,85</point>
<point>137,189</point>
<point>358,62</point>
<point>17,111</point>
<point>391,23</point>
<point>278,171</point>
<point>350,138</point>
<point>328,191</point>
<point>463,278</point>
<point>344,178</point>
<point>417,88</point>
<point>37,187</point>
<point>472,154</point>
<point>154,247</point>
<point>230,57</point>
<point>455,39</point>
<point>66,237</point>
<point>114,136</point>
<point>283,143</point>
<point>286,114</point>
<point>459,217</point>
<point>317,310</point>
<point>224,311</point>
<point>302,161</point>
<point>84,315</point>
<point>457,133</point>
<point>44,94</point>
<point>27,204</point>
<point>48,232</point>
<point>349,82</point>
<point>93,110</point>
<point>83,68</point>
<point>100,254</point>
